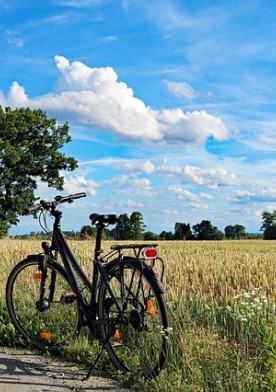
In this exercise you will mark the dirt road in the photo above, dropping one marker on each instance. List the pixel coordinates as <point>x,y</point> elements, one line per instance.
<point>31,372</point>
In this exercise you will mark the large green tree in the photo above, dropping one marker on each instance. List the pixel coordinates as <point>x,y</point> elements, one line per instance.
<point>123,228</point>
<point>137,226</point>
<point>130,228</point>
<point>269,225</point>
<point>182,231</point>
<point>234,232</point>
<point>29,144</point>
<point>206,231</point>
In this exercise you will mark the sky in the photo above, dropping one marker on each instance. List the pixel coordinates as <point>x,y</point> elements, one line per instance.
<point>170,103</point>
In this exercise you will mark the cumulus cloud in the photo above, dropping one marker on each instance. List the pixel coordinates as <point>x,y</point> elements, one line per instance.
<point>132,185</point>
<point>136,166</point>
<point>184,194</point>
<point>264,196</point>
<point>80,184</point>
<point>93,97</point>
<point>210,178</point>
<point>181,89</point>
<point>126,165</point>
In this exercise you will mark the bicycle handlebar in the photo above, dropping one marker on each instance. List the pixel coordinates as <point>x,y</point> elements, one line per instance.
<point>46,205</point>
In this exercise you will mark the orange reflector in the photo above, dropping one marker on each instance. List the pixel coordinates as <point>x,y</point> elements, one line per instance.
<point>37,275</point>
<point>150,253</point>
<point>70,294</point>
<point>117,335</point>
<point>151,307</point>
<point>46,335</point>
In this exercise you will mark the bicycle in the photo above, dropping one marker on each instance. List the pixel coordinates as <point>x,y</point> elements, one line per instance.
<point>122,304</point>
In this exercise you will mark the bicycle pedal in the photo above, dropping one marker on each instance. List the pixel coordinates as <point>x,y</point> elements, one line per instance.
<point>117,344</point>
<point>68,298</point>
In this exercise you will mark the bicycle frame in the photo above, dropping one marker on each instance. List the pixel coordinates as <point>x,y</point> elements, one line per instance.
<point>74,271</point>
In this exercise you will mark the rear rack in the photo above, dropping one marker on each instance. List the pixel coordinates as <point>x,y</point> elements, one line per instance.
<point>137,250</point>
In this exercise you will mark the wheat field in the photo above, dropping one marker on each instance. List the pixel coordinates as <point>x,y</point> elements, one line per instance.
<point>217,269</point>
<point>216,344</point>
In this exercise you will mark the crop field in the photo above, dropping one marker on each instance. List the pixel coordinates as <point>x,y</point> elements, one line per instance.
<point>221,299</point>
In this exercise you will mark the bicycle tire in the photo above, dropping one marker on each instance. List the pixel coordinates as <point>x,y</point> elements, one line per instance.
<point>53,327</point>
<point>138,346</point>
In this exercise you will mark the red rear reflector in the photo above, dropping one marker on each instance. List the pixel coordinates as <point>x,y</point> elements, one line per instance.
<point>37,275</point>
<point>150,253</point>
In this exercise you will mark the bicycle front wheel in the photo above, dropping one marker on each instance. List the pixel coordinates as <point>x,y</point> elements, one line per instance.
<point>137,323</point>
<point>47,323</point>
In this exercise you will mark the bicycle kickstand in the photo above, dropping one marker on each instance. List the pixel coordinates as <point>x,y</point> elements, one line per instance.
<point>96,360</point>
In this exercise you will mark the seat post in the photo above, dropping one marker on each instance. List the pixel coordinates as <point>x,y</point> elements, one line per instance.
<point>98,249</point>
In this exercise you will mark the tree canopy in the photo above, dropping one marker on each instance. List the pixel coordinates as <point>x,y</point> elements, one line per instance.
<point>206,231</point>
<point>234,232</point>
<point>29,144</point>
<point>269,225</point>
<point>182,231</point>
<point>130,227</point>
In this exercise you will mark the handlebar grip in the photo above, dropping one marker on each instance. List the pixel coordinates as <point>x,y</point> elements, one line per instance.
<point>31,209</point>
<point>78,195</point>
<point>70,198</point>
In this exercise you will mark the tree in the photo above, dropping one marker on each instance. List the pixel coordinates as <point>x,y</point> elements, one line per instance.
<point>29,144</point>
<point>87,231</point>
<point>182,231</point>
<point>123,228</point>
<point>234,232</point>
<point>230,232</point>
<point>269,225</point>
<point>166,235</point>
<point>137,226</point>
<point>206,231</point>
<point>150,236</point>
<point>240,231</point>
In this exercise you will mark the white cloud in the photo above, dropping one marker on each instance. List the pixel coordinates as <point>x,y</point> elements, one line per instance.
<point>131,166</point>
<point>94,97</point>
<point>181,89</point>
<point>17,95</point>
<point>264,196</point>
<point>210,178</point>
<point>129,204</point>
<point>184,194</point>
<point>191,127</point>
<point>80,184</point>
<point>136,166</point>
<point>132,185</point>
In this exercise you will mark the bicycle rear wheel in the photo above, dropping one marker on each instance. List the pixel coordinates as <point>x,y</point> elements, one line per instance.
<point>57,321</point>
<point>137,327</point>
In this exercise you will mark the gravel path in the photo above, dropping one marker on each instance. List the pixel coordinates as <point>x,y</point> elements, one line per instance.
<point>26,371</point>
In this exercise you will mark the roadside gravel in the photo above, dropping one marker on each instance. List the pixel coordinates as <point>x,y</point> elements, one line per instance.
<point>28,371</point>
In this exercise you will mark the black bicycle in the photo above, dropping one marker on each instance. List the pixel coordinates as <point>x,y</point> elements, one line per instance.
<point>122,305</point>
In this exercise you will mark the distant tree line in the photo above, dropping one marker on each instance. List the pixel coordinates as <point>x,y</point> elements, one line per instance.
<point>133,228</point>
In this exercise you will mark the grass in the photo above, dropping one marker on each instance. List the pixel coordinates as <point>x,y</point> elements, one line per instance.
<point>221,299</point>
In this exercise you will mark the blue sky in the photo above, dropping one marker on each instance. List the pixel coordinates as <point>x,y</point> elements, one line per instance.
<point>171,104</point>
